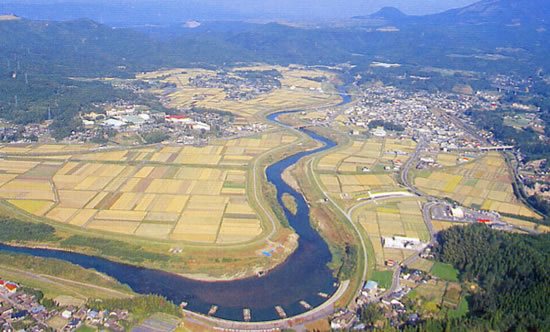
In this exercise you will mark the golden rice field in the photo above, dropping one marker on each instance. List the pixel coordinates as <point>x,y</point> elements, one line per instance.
<point>295,92</point>
<point>170,194</point>
<point>373,154</point>
<point>359,168</point>
<point>485,183</point>
<point>402,218</point>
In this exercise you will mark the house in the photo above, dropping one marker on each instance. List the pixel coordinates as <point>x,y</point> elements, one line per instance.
<point>113,123</point>
<point>11,287</point>
<point>370,287</point>
<point>35,310</point>
<point>67,314</point>
<point>178,119</point>
<point>200,126</point>
<point>19,315</point>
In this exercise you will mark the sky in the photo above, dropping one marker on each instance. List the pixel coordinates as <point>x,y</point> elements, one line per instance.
<point>313,9</point>
<point>338,8</point>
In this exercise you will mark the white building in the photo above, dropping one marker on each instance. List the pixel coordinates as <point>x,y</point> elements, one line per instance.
<point>200,126</point>
<point>113,123</point>
<point>379,133</point>
<point>400,242</point>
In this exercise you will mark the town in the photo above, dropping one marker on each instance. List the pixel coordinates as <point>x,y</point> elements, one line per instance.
<point>26,309</point>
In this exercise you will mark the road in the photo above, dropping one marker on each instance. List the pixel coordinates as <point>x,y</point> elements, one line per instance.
<point>426,213</point>
<point>412,161</point>
<point>348,216</point>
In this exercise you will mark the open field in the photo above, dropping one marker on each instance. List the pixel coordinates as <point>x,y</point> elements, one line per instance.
<point>370,155</point>
<point>195,194</point>
<point>298,89</point>
<point>364,166</point>
<point>445,271</point>
<point>483,184</point>
<point>402,218</point>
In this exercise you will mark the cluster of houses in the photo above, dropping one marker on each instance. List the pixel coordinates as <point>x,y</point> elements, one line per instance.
<point>17,305</point>
<point>234,86</point>
<point>391,307</point>
<point>413,111</point>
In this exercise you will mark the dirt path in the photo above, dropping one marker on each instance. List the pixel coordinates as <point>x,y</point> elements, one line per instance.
<point>63,282</point>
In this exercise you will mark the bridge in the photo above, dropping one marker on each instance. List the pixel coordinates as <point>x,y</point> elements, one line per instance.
<point>497,148</point>
<point>307,125</point>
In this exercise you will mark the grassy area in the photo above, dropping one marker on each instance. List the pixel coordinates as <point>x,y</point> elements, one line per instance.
<point>445,271</point>
<point>55,277</point>
<point>85,328</point>
<point>461,311</point>
<point>383,278</point>
<point>422,265</point>
<point>290,203</point>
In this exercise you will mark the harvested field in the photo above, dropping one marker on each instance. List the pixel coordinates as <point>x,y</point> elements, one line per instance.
<point>390,219</point>
<point>32,206</point>
<point>485,183</point>
<point>103,191</point>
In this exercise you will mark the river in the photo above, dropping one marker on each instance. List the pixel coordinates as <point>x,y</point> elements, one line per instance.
<point>301,277</point>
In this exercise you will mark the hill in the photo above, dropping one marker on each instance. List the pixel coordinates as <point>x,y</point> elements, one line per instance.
<point>502,12</point>
<point>42,58</point>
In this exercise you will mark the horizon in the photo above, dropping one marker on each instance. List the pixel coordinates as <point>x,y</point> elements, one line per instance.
<point>171,10</point>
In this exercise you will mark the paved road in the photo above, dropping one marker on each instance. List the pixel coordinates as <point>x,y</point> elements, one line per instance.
<point>426,213</point>
<point>348,216</point>
<point>412,161</point>
<point>378,199</point>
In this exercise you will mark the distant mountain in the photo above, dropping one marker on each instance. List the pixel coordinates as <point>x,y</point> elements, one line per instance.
<point>389,13</point>
<point>497,11</point>
<point>503,12</point>
<point>119,14</point>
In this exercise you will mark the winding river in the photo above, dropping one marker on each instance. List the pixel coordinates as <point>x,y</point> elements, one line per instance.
<point>303,275</point>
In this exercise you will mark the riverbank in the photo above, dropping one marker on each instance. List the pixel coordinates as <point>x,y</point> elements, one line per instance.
<point>284,286</point>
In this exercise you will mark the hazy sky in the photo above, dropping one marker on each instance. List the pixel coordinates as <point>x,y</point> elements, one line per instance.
<point>292,8</point>
<point>339,8</point>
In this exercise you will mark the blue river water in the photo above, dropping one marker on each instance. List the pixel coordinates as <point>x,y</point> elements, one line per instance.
<point>301,277</point>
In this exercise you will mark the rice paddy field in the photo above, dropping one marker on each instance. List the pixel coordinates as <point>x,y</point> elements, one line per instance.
<point>483,184</point>
<point>298,89</point>
<point>185,193</point>
<point>364,166</point>
<point>393,218</point>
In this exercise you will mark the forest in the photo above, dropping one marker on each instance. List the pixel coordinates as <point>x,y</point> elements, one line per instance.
<point>511,270</point>
<point>15,230</point>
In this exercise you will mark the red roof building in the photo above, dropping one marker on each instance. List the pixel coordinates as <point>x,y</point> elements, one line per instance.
<point>12,288</point>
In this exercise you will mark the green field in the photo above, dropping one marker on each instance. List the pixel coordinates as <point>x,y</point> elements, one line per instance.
<point>383,278</point>
<point>85,328</point>
<point>445,271</point>
<point>461,311</point>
